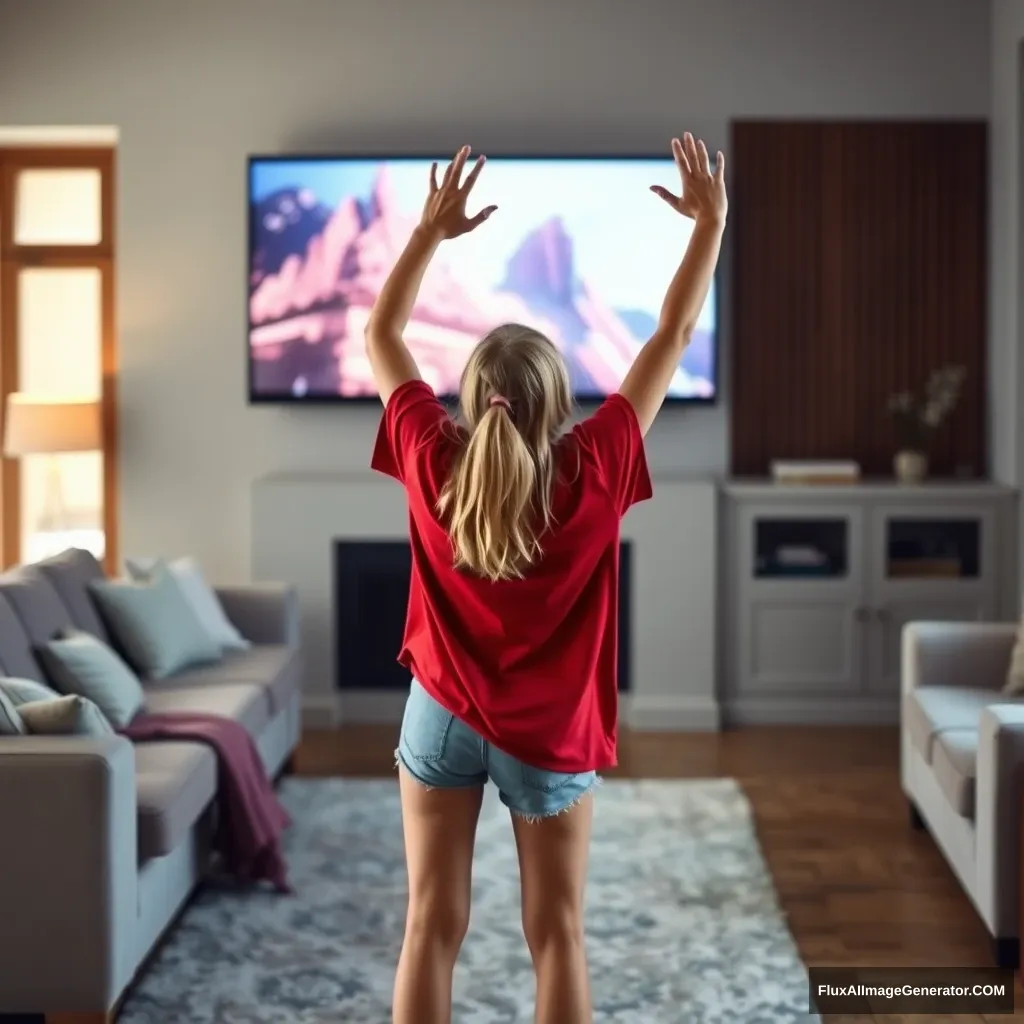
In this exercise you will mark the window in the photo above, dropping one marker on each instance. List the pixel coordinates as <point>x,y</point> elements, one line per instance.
<point>58,484</point>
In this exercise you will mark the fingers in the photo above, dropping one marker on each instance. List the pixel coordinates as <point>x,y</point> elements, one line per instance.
<point>457,165</point>
<point>663,193</point>
<point>474,174</point>
<point>720,167</point>
<point>454,171</point>
<point>433,178</point>
<point>680,157</point>
<point>692,155</point>
<point>475,222</point>
<point>702,158</point>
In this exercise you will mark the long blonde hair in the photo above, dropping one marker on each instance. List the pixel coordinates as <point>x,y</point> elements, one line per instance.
<point>515,397</point>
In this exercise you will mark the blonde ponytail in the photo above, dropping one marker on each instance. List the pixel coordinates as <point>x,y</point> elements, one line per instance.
<point>496,499</point>
<point>514,397</point>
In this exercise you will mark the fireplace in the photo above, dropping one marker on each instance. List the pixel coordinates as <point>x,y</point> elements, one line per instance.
<point>371,592</point>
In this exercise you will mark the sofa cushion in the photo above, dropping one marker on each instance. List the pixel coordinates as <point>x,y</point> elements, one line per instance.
<point>274,667</point>
<point>954,761</point>
<point>70,573</point>
<point>175,783</point>
<point>38,606</point>
<point>931,710</point>
<point>17,652</point>
<point>178,780</point>
<point>243,702</point>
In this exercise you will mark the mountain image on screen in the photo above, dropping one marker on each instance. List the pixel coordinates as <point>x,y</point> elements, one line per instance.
<point>315,273</point>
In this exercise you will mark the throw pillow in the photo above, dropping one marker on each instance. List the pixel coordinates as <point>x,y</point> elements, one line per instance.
<point>82,664</point>
<point>66,716</point>
<point>1015,675</point>
<point>199,594</point>
<point>11,723</point>
<point>154,624</point>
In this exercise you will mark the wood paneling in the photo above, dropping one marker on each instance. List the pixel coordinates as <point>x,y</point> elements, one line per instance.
<point>859,266</point>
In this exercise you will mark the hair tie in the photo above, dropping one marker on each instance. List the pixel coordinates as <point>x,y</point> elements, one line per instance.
<point>502,401</point>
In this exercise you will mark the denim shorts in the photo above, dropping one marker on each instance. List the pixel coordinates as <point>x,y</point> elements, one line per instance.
<point>442,752</point>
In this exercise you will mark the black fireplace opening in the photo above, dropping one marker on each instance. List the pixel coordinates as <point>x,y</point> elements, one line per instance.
<point>371,595</point>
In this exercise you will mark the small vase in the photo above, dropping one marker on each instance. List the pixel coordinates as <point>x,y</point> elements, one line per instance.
<point>910,467</point>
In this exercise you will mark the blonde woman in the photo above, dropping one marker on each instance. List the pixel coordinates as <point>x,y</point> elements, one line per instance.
<point>511,628</point>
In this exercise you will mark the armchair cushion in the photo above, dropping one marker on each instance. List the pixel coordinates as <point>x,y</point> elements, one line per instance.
<point>930,711</point>
<point>955,763</point>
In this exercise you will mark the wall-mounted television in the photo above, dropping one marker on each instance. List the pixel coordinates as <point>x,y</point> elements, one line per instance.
<point>579,248</point>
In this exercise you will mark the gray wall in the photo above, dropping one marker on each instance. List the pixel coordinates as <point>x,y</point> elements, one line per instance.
<point>195,86</point>
<point>1007,242</point>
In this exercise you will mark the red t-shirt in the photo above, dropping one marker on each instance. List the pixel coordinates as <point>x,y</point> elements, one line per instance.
<point>530,664</point>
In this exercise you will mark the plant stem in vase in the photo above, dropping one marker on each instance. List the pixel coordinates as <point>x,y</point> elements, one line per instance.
<point>917,417</point>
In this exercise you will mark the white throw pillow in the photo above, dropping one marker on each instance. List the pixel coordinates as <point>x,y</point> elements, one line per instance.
<point>199,594</point>
<point>14,693</point>
<point>66,716</point>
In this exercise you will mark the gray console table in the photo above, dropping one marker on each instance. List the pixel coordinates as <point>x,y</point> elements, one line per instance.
<point>817,583</point>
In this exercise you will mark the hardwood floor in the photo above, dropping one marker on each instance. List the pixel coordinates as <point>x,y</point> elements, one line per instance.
<point>859,887</point>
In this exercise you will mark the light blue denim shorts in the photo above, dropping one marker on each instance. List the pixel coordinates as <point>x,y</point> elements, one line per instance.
<point>442,752</point>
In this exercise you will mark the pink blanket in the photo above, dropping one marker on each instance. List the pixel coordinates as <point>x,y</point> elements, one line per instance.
<point>251,817</point>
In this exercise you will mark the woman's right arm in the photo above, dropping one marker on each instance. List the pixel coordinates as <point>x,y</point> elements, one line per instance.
<point>704,200</point>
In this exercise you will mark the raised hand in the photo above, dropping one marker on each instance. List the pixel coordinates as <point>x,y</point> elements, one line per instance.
<point>445,209</point>
<point>703,191</point>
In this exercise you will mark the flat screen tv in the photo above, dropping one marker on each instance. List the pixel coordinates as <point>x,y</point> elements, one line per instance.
<point>579,248</point>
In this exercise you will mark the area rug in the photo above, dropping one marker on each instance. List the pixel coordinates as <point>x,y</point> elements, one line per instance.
<point>682,925</point>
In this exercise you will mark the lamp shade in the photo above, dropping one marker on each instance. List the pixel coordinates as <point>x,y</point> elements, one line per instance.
<point>40,424</point>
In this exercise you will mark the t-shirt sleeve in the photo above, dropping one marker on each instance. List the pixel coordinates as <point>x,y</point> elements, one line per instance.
<point>411,418</point>
<point>613,439</point>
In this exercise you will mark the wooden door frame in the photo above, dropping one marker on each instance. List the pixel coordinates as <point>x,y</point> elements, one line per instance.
<point>14,259</point>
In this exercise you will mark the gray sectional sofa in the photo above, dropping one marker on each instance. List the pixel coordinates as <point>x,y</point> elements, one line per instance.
<point>103,841</point>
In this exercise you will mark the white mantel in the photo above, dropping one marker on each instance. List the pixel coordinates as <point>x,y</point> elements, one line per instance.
<point>296,517</point>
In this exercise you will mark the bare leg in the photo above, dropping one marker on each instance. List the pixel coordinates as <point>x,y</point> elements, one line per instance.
<point>553,870</point>
<point>440,829</point>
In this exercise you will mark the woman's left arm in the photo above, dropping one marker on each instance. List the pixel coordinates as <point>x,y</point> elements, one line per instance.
<point>444,216</point>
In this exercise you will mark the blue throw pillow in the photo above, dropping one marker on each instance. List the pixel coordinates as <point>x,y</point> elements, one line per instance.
<point>81,664</point>
<point>154,624</point>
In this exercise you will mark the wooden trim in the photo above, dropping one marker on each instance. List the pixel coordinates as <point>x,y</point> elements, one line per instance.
<point>98,1017</point>
<point>13,160</point>
<point>109,425</point>
<point>10,469</point>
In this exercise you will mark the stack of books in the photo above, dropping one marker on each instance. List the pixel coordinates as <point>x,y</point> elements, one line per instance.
<point>815,472</point>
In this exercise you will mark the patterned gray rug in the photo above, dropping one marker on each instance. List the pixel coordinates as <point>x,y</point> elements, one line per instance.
<point>682,925</point>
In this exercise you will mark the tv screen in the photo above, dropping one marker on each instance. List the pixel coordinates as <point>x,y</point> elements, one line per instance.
<point>579,249</point>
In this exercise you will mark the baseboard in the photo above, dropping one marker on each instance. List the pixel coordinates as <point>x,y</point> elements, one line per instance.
<point>320,711</point>
<point>810,711</point>
<point>371,707</point>
<point>670,713</point>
